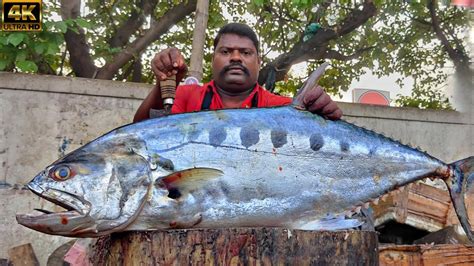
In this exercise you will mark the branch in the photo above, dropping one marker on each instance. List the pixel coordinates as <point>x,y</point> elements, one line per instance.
<point>137,71</point>
<point>318,44</point>
<point>80,58</point>
<point>460,59</point>
<point>134,22</point>
<point>320,12</point>
<point>170,18</point>
<point>331,54</point>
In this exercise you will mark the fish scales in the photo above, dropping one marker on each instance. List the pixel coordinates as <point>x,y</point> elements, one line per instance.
<point>269,179</point>
<point>259,167</point>
<point>230,168</point>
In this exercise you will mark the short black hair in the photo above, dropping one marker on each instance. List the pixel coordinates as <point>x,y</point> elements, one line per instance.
<point>238,29</point>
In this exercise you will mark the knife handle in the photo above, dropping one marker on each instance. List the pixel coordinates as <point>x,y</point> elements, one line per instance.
<point>168,91</point>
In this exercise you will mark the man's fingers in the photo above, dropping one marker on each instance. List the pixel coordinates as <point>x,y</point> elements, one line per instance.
<point>318,101</point>
<point>169,62</point>
<point>177,60</point>
<point>165,63</point>
<point>312,95</point>
<point>329,108</point>
<point>336,115</point>
<point>155,67</point>
<point>318,105</point>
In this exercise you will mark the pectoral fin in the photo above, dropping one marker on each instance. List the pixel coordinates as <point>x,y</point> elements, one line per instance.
<point>182,182</point>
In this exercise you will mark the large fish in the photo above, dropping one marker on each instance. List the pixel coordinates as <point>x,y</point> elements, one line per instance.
<point>272,167</point>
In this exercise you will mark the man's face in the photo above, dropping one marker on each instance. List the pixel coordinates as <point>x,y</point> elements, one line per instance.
<point>235,64</point>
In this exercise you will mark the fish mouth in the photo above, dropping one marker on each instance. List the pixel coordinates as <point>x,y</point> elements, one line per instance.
<point>70,222</point>
<point>68,201</point>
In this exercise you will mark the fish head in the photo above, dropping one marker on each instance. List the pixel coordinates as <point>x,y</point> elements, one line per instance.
<point>103,189</point>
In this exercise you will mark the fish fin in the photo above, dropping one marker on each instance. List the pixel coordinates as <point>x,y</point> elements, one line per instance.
<point>182,182</point>
<point>308,84</point>
<point>461,184</point>
<point>330,223</point>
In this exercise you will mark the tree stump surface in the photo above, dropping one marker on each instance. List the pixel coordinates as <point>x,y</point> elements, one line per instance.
<point>237,246</point>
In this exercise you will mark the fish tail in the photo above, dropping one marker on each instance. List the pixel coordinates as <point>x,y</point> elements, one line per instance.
<point>461,184</point>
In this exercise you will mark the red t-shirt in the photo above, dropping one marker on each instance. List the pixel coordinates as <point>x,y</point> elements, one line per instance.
<point>189,98</point>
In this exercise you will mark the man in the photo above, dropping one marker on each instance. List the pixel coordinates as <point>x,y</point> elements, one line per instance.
<point>235,67</point>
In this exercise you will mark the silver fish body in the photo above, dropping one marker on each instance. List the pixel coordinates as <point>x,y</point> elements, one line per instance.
<point>231,168</point>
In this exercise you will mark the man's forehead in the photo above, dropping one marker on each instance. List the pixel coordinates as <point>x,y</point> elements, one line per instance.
<point>235,41</point>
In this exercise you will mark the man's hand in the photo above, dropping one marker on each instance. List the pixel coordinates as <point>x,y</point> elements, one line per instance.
<point>316,100</point>
<point>167,63</point>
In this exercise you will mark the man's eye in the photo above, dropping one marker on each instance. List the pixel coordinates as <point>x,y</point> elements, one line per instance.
<point>224,52</point>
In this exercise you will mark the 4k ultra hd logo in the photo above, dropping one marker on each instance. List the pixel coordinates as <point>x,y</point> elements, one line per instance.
<point>21,15</point>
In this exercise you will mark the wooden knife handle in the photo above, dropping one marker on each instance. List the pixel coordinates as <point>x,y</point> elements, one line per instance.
<point>168,91</point>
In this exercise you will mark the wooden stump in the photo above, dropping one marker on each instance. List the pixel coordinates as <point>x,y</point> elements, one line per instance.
<point>238,246</point>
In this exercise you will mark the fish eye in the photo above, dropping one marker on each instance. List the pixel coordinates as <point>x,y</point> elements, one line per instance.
<point>61,173</point>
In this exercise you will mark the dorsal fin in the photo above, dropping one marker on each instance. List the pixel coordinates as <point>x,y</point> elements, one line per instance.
<point>309,83</point>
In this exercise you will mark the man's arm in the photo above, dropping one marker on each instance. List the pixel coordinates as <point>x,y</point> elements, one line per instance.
<point>165,64</point>
<point>152,101</point>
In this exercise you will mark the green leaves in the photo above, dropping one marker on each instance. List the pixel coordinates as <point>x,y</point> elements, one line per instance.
<point>425,98</point>
<point>3,64</point>
<point>15,38</point>
<point>27,66</point>
<point>25,51</point>
<point>398,41</point>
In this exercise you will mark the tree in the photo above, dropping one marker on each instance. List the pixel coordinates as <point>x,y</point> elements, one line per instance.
<point>386,37</point>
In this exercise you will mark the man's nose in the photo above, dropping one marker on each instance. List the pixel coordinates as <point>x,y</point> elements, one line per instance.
<point>235,56</point>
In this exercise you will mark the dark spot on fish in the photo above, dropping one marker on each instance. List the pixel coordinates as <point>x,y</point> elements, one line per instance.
<point>132,143</point>
<point>213,192</point>
<point>249,136</point>
<point>372,152</point>
<point>165,163</point>
<point>316,142</point>
<point>279,138</point>
<point>224,188</point>
<point>193,134</point>
<point>344,146</point>
<point>280,168</point>
<point>217,135</point>
<point>174,193</point>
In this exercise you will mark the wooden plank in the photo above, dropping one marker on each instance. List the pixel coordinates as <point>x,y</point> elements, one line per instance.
<point>401,204</point>
<point>23,255</point>
<point>424,207</point>
<point>426,255</point>
<point>427,207</point>
<point>431,192</point>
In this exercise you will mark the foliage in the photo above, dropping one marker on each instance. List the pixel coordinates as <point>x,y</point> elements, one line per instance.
<point>26,51</point>
<point>425,98</point>
<point>397,40</point>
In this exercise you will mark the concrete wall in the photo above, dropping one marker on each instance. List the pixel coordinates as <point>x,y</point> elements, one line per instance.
<point>44,117</point>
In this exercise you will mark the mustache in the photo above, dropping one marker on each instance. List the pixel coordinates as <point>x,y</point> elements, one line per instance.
<point>233,65</point>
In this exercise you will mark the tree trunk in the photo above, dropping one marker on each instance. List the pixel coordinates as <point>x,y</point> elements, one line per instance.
<point>238,246</point>
<point>199,38</point>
